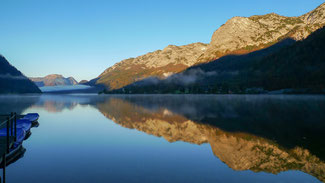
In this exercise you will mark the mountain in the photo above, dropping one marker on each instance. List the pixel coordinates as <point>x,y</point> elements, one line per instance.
<point>83,82</point>
<point>53,80</point>
<point>239,35</point>
<point>291,66</point>
<point>245,34</point>
<point>162,63</point>
<point>13,81</point>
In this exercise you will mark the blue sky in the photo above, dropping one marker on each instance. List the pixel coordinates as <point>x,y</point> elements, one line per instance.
<point>82,38</point>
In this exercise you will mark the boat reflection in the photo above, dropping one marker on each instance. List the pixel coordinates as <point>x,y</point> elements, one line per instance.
<point>17,154</point>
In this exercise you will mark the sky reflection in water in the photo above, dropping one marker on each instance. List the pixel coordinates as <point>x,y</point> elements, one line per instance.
<point>89,138</point>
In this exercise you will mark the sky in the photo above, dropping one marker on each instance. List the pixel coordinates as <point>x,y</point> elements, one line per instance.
<point>82,38</point>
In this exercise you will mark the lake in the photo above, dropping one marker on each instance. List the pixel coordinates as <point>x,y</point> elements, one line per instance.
<point>171,138</point>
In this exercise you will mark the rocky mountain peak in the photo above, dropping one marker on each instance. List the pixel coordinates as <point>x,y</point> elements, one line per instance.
<point>316,16</point>
<point>169,47</point>
<point>247,34</point>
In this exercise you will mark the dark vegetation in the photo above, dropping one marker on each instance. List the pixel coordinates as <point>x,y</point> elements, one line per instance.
<point>289,66</point>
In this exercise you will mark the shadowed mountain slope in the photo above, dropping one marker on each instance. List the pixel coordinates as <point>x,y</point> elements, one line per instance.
<point>13,81</point>
<point>298,66</point>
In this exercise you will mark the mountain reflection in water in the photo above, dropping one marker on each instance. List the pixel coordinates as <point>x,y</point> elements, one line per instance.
<point>258,133</point>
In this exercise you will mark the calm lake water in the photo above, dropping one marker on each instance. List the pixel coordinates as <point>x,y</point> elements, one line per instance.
<point>171,138</point>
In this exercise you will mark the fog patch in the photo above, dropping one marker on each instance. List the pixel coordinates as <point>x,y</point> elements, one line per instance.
<point>186,78</point>
<point>9,76</point>
<point>189,77</point>
<point>149,81</point>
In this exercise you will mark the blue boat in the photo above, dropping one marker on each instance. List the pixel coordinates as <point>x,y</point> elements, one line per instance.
<point>33,117</point>
<point>13,132</point>
<point>24,124</point>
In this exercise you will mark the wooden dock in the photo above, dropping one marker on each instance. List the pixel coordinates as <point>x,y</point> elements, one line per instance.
<point>12,136</point>
<point>3,145</point>
<point>8,137</point>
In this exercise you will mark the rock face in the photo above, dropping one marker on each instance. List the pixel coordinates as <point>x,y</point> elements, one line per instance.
<point>53,80</point>
<point>13,81</point>
<point>160,63</point>
<point>239,35</point>
<point>246,34</point>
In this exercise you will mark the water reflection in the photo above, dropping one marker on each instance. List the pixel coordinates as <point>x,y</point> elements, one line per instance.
<point>258,133</point>
<point>270,134</point>
<point>58,103</point>
<point>16,103</point>
<point>288,120</point>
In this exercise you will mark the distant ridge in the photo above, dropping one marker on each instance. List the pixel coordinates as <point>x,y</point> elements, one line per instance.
<point>54,80</point>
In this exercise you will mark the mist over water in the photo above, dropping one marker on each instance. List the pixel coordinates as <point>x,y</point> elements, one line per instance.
<point>64,88</point>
